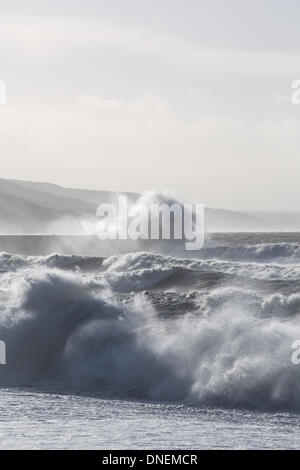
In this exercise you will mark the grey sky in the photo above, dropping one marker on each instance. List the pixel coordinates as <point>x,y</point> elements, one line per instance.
<point>131,95</point>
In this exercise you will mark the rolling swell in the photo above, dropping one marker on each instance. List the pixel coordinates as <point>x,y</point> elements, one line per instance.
<point>261,252</point>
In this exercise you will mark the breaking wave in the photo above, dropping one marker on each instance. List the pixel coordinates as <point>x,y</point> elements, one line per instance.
<point>199,331</point>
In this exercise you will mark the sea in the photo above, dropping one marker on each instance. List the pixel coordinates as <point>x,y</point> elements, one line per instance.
<point>146,350</point>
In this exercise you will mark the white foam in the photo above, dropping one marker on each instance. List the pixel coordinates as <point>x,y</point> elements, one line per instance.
<point>234,351</point>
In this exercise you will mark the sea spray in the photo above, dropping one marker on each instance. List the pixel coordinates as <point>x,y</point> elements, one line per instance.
<point>74,330</point>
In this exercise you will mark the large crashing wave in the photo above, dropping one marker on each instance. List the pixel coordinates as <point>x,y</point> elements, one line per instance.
<point>72,329</point>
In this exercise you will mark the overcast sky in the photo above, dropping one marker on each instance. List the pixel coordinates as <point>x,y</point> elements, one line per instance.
<point>189,95</point>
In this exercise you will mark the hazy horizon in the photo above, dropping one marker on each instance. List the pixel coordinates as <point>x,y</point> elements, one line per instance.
<point>243,210</point>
